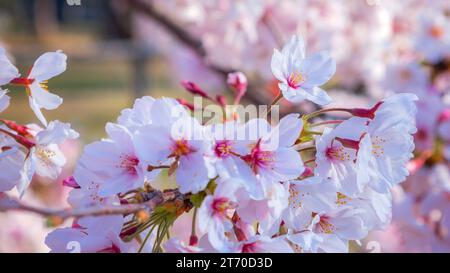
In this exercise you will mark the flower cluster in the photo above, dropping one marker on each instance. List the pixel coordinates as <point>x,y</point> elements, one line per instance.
<point>380,47</point>
<point>303,184</point>
<point>242,33</point>
<point>26,150</point>
<point>421,206</point>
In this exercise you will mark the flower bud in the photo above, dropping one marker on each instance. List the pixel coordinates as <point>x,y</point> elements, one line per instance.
<point>238,82</point>
<point>194,89</point>
<point>221,100</point>
<point>366,113</point>
<point>20,129</point>
<point>193,240</point>
<point>187,104</point>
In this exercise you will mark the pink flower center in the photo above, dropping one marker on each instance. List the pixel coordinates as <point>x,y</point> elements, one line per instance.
<point>223,149</point>
<point>295,80</point>
<point>181,148</point>
<point>222,206</point>
<point>325,226</point>
<point>258,158</point>
<point>27,82</point>
<point>337,153</point>
<point>129,164</point>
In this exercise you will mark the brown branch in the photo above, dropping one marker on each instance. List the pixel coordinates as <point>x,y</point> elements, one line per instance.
<point>155,198</point>
<point>194,44</point>
<point>187,39</point>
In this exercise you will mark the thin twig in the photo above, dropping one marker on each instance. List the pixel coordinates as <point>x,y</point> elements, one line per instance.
<point>11,204</point>
<point>15,205</point>
<point>193,43</point>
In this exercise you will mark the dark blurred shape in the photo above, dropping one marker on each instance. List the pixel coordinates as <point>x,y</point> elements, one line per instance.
<point>39,17</point>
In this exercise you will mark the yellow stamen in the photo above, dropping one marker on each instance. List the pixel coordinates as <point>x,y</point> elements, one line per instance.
<point>44,85</point>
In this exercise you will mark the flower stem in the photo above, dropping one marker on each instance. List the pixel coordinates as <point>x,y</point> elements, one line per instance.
<point>146,238</point>
<point>194,239</point>
<point>275,102</point>
<point>323,111</point>
<point>326,123</point>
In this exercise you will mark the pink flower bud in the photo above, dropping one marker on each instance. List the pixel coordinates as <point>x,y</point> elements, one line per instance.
<point>194,89</point>
<point>221,100</point>
<point>193,240</point>
<point>366,113</point>
<point>238,82</point>
<point>20,129</point>
<point>187,104</point>
<point>27,143</point>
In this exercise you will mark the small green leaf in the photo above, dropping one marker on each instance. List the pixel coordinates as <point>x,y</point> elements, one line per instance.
<point>197,199</point>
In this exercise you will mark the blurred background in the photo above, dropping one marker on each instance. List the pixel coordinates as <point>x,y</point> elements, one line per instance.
<point>120,50</point>
<point>107,68</point>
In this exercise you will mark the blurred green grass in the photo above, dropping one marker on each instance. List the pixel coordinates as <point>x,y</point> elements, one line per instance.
<point>94,93</point>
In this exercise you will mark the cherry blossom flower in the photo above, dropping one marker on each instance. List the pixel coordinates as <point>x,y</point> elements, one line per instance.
<point>11,163</point>
<point>46,159</point>
<point>308,196</point>
<point>267,212</point>
<point>434,40</point>
<point>89,235</point>
<point>147,110</point>
<point>398,110</point>
<point>377,207</point>
<point>337,227</point>
<point>343,155</point>
<point>47,66</point>
<point>408,77</point>
<point>227,148</point>
<point>392,141</point>
<point>214,216</point>
<point>407,233</point>
<point>297,186</point>
<point>116,160</point>
<point>88,191</point>
<point>270,156</point>
<point>183,146</point>
<point>139,115</point>
<point>301,76</point>
<point>43,156</point>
